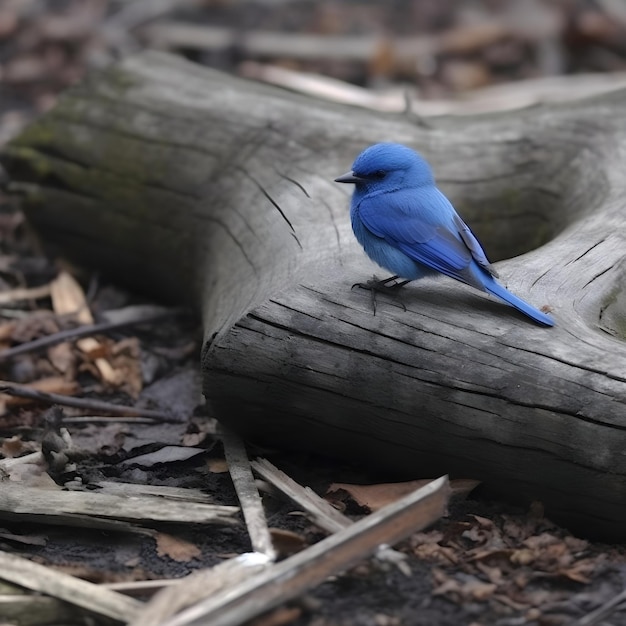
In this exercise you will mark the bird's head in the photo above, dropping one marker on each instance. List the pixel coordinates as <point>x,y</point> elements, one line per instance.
<point>387,167</point>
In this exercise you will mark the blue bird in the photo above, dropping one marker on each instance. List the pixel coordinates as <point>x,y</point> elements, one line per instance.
<point>406,225</point>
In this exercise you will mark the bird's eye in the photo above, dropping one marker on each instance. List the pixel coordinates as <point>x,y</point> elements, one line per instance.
<point>380,174</point>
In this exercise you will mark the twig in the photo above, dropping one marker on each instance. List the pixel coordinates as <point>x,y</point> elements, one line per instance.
<point>283,581</point>
<point>602,612</point>
<point>85,331</point>
<point>73,590</point>
<point>84,403</point>
<point>248,494</point>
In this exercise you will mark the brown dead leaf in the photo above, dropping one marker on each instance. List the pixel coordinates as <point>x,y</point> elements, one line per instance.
<point>176,549</point>
<point>126,362</point>
<point>427,546</point>
<point>36,324</point>
<point>580,572</point>
<point>68,298</point>
<point>94,350</point>
<point>198,430</point>
<point>481,555</point>
<point>14,446</point>
<point>194,440</point>
<point>6,330</point>
<point>435,552</point>
<point>63,357</point>
<point>287,542</point>
<point>376,496</point>
<point>492,574</point>
<point>523,556</point>
<point>575,544</point>
<point>470,588</point>
<point>217,466</point>
<point>541,541</point>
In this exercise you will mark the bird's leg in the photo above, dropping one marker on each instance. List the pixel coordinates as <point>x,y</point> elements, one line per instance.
<point>375,285</point>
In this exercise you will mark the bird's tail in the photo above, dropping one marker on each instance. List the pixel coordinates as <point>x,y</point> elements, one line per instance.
<point>535,314</point>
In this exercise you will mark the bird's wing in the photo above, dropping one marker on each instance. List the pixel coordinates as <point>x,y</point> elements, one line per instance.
<point>474,245</point>
<point>424,225</point>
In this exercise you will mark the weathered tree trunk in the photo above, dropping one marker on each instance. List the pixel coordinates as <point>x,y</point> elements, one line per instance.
<point>217,191</point>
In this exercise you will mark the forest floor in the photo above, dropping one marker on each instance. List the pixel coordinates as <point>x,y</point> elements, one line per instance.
<point>486,562</point>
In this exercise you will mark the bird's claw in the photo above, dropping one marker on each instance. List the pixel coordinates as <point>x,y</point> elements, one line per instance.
<point>375,285</point>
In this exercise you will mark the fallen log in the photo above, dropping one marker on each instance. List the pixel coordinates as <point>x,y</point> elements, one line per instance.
<point>215,191</point>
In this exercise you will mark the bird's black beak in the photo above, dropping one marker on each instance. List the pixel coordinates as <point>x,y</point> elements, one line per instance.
<point>349,177</point>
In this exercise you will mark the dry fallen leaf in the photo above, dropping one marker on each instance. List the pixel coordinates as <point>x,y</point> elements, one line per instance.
<point>14,446</point>
<point>287,542</point>
<point>6,330</point>
<point>176,549</point>
<point>470,588</point>
<point>35,324</point>
<point>376,496</point>
<point>63,357</point>
<point>217,466</point>
<point>126,361</point>
<point>68,298</point>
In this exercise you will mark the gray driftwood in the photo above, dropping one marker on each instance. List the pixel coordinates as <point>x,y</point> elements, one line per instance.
<point>204,188</point>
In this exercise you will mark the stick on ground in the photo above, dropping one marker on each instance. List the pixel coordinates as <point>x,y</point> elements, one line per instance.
<point>248,494</point>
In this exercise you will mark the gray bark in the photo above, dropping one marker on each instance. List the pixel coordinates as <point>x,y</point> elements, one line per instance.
<point>216,191</point>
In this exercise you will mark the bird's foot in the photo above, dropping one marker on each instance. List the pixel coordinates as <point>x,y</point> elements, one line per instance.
<point>376,285</point>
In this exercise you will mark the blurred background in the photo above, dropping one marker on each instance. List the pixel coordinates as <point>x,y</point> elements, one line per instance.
<point>440,56</point>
